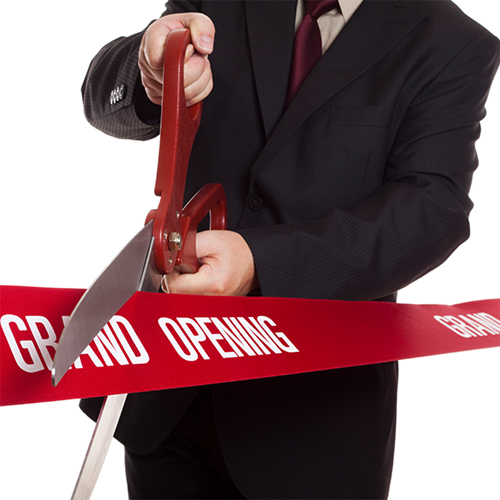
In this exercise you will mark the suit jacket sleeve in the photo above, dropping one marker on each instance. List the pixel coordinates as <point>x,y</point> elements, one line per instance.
<point>134,116</point>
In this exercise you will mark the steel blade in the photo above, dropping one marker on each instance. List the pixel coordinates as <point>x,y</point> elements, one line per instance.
<point>119,281</point>
<point>111,408</point>
<point>99,445</point>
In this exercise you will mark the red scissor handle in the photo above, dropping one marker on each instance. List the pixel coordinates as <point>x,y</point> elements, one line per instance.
<point>174,227</point>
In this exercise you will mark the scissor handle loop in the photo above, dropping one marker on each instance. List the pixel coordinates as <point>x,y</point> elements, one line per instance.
<point>210,199</point>
<point>179,125</point>
<point>177,132</point>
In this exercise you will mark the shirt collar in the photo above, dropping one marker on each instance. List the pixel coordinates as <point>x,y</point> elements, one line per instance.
<point>349,7</point>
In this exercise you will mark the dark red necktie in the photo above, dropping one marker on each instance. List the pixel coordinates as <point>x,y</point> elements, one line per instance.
<point>307,49</point>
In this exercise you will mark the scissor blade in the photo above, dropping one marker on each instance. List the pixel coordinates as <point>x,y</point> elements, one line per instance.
<point>111,408</point>
<point>99,445</point>
<point>111,290</point>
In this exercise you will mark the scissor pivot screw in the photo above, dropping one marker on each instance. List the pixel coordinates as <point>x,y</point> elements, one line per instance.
<point>175,241</point>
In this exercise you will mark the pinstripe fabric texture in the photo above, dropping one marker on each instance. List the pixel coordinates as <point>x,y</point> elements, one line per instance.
<point>356,190</point>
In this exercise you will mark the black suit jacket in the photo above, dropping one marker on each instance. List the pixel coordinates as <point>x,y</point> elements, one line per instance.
<point>354,191</point>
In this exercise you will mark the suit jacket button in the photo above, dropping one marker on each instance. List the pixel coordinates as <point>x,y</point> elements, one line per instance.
<point>255,202</point>
<point>117,94</point>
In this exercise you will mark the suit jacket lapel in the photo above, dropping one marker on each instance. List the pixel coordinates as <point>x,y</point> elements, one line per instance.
<point>270,31</point>
<point>375,28</point>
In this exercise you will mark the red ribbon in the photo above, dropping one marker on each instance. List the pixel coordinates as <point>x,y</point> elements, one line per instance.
<point>159,341</point>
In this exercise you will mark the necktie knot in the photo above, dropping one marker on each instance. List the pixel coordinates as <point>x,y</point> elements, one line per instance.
<point>307,49</point>
<point>316,8</point>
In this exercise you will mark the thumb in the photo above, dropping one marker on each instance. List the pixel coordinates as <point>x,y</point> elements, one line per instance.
<point>202,33</point>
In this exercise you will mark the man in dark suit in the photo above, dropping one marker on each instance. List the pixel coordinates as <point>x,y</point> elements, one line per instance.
<point>351,191</point>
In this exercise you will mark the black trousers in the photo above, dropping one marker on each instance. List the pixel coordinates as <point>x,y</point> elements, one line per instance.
<point>188,464</point>
<point>346,453</point>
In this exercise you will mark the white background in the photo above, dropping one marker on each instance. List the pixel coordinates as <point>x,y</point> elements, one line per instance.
<point>71,197</point>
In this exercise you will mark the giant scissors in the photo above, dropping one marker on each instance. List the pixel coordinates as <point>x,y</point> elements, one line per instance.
<point>167,240</point>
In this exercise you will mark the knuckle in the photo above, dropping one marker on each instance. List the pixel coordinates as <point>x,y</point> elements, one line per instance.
<point>143,66</point>
<point>218,288</point>
<point>189,93</point>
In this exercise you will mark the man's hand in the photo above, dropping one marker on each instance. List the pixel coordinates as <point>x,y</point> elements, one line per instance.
<point>197,73</point>
<point>227,267</point>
